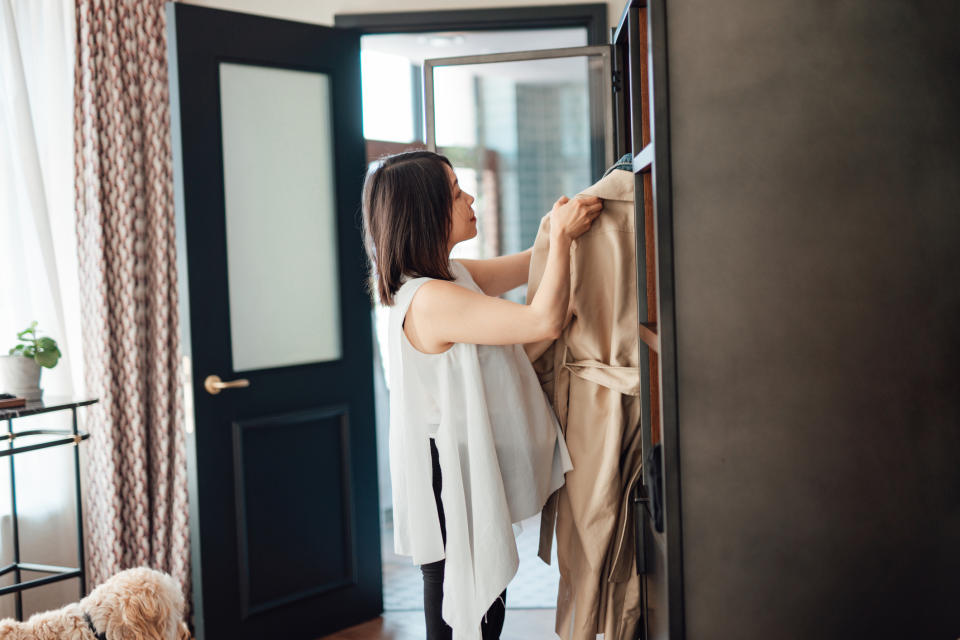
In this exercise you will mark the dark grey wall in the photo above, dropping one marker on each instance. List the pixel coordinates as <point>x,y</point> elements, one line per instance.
<point>816,193</point>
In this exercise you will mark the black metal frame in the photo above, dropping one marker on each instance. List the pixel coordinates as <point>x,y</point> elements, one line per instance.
<point>73,436</point>
<point>654,158</point>
<point>666,309</point>
<point>602,122</point>
<point>591,16</point>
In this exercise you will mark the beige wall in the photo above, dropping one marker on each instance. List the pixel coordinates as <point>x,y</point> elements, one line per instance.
<point>322,11</point>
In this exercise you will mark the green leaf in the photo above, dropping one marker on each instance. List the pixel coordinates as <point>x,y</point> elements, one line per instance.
<point>46,359</point>
<point>32,329</point>
<point>46,343</point>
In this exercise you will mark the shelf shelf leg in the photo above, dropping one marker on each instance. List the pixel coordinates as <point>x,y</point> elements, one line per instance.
<point>76,469</point>
<point>16,528</point>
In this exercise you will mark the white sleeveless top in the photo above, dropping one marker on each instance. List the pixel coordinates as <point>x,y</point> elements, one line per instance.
<point>501,450</point>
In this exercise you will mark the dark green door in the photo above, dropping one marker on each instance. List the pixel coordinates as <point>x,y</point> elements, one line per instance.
<point>269,164</point>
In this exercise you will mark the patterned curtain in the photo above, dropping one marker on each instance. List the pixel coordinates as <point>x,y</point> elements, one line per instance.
<point>136,510</point>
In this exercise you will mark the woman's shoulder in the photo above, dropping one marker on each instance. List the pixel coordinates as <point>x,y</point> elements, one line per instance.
<point>411,294</point>
<point>439,294</point>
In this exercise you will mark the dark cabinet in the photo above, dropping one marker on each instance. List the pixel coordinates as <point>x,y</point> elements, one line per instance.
<point>797,241</point>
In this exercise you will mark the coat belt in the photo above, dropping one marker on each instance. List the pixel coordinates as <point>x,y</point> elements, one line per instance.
<point>626,381</point>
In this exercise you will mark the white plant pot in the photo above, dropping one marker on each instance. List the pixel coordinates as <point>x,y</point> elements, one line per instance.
<point>20,376</point>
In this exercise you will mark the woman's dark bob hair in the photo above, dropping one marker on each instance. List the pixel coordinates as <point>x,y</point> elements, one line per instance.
<point>407,201</point>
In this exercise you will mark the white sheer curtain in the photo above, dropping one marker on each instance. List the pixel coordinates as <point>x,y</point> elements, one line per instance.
<point>38,274</point>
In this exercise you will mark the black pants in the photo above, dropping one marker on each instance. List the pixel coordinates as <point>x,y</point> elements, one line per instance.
<point>437,629</point>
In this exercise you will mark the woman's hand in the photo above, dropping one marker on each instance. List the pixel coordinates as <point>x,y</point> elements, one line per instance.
<point>572,218</point>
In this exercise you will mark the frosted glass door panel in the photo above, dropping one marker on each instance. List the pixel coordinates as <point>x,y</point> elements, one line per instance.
<point>281,216</point>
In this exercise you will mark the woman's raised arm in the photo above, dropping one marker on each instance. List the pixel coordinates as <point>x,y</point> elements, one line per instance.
<point>442,313</point>
<point>501,274</point>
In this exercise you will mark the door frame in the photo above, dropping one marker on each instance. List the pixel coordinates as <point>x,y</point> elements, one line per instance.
<point>591,16</point>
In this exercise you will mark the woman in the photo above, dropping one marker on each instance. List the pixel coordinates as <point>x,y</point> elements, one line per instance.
<point>474,443</point>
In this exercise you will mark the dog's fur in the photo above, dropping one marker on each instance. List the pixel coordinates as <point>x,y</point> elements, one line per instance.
<point>134,604</point>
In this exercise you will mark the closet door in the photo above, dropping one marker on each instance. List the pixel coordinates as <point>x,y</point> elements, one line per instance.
<point>640,63</point>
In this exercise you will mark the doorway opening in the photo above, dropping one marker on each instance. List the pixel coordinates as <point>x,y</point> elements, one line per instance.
<point>518,141</point>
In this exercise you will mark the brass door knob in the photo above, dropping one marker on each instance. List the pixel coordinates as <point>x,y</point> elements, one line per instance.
<point>214,385</point>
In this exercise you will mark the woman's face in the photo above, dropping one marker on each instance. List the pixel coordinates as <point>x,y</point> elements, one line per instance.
<point>464,219</point>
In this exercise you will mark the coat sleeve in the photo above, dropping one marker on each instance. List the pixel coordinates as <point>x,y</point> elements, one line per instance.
<point>542,355</point>
<point>541,352</point>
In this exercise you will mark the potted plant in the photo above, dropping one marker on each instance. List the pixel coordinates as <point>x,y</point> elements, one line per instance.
<point>20,368</point>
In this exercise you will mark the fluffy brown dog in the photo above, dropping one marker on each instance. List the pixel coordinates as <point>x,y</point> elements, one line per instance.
<point>135,604</point>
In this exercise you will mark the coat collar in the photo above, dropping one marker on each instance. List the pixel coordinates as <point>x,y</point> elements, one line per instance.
<point>616,185</point>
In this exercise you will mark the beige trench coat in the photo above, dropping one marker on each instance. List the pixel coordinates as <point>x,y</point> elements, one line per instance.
<point>592,377</point>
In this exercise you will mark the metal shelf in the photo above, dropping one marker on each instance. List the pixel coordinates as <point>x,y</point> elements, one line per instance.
<point>69,438</point>
<point>53,403</point>
<point>60,573</point>
<point>48,438</point>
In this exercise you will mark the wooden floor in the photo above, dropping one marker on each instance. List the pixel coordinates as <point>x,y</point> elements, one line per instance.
<point>520,624</point>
